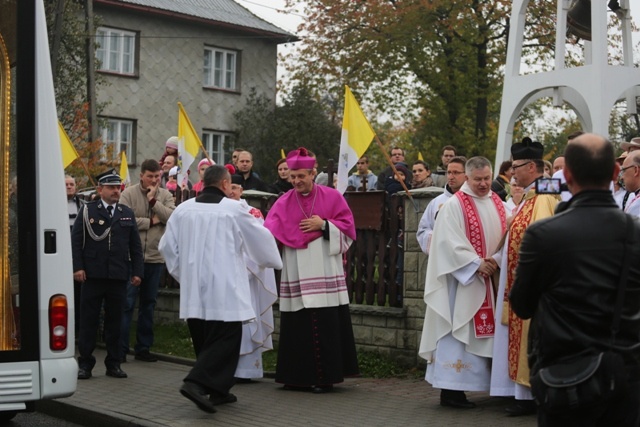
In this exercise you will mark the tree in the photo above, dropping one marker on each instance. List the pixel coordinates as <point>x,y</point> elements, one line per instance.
<point>442,58</point>
<point>265,129</point>
<point>68,57</point>
<point>67,40</point>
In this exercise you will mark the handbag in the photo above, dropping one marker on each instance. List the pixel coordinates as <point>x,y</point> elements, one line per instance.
<point>585,380</point>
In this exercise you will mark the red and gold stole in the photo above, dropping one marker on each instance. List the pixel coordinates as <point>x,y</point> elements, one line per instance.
<point>484,319</point>
<point>517,361</point>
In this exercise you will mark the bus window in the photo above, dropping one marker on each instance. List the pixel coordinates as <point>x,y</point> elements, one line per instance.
<point>9,280</point>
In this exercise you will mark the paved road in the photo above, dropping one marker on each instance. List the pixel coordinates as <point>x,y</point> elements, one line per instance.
<point>150,397</point>
<point>35,419</point>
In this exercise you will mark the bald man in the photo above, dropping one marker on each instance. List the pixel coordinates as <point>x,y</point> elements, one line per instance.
<point>567,282</point>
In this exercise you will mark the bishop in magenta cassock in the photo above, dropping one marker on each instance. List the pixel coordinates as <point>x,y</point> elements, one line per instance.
<point>315,227</point>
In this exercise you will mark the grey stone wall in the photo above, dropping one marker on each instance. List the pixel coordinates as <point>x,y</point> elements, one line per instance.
<point>391,331</point>
<point>170,70</point>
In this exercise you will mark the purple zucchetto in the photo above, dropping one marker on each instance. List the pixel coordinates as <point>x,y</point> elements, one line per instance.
<point>300,159</point>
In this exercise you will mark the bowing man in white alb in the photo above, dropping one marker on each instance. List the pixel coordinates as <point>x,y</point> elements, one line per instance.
<point>457,337</point>
<point>204,247</point>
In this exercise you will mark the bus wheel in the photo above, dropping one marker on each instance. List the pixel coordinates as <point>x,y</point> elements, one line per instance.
<point>6,416</point>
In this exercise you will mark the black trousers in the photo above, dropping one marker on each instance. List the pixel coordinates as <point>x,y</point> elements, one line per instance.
<point>94,293</point>
<point>217,347</point>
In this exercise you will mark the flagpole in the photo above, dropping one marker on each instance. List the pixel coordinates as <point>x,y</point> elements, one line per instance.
<point>86,170</point>
<point>395,171</point>
<point>205,153</point>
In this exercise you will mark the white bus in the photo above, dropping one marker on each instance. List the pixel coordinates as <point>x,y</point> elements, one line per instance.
<point>36,281</point>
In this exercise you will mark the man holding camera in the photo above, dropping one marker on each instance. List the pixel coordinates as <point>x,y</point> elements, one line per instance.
<point>510,372</point>
<point>570,269</point>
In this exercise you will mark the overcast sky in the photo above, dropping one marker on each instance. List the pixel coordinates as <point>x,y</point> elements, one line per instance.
<point>268,10</point>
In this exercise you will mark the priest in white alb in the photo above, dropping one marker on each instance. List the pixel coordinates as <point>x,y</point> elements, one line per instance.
<point>457,337</point>
<point>510,369</point>
<point>204,247</point>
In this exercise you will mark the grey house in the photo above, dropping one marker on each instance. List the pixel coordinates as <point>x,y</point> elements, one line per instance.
<point>206,54</point>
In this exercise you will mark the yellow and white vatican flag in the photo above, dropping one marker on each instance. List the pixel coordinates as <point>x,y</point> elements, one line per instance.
<point>189,145</point>
<point>69,153</point>
<point>125,176</point>
<point>357,134</point>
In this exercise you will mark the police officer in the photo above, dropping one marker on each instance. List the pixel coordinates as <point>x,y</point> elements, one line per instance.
<point>106,249</point>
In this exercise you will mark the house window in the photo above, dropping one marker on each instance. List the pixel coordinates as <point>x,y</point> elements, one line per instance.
<point>116,50</point>
<point>117,136</point>
<point>220,68</point>
<point>217,144</point>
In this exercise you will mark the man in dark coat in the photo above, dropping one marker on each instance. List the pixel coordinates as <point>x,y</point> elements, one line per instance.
<point>567,281</point>
<point>106,253</point>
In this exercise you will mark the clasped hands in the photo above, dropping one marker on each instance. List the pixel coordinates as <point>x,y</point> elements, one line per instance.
<point>488,266</point>
<point>314,223</point>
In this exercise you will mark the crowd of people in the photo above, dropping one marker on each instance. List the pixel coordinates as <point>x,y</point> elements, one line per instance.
<point>488,290</point>
<point>519,282</point>
<point>123,239</point>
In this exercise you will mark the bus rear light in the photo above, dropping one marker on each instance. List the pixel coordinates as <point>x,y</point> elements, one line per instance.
<point>58,321</point>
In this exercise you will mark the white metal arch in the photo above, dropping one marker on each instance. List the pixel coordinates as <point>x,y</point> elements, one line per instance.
<point>591,89</point>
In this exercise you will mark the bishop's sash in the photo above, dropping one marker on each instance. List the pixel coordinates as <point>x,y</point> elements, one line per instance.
<point>484,319</point>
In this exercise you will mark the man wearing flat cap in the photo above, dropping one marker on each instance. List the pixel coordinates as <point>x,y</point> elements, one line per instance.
<point>315,226</point>
<point>106,254</point>
<point>510,371</point>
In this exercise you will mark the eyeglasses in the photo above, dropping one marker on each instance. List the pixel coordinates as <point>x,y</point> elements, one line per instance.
<point>454,173</point>
<point>519,166</point>
<point>628,167</point>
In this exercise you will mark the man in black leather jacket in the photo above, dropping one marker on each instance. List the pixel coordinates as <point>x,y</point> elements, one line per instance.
<point>567,281</point>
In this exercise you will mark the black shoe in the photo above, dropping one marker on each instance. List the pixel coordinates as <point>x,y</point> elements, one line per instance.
<point>521,407</point>
<point>455,399</point>
<point>456,403</point>
<point>145,356</point>
<point>197,395</point>
<point>244,380</point>
<point>84,374</point>
<point>319,389</point>
<point>217,399</point>
<point>116,372</point>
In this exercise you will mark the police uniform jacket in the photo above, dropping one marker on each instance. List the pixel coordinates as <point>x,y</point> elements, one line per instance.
<point>119,255</point>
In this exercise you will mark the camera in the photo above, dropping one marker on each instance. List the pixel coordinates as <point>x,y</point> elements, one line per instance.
<point>550,186</point>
